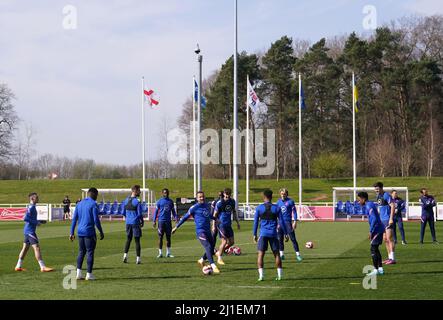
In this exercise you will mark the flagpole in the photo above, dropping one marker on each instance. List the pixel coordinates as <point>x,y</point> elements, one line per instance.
<point>247,145</point>
<point>300,176</point>
<point>354,163</point>
<point>235,126</point>
<point>143,138</point>
<point>194,156</point>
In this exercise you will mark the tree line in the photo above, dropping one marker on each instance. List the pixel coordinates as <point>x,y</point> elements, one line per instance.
<point>398,72</point>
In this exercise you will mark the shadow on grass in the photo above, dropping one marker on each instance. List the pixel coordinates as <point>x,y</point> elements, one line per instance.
<point>147,277</point>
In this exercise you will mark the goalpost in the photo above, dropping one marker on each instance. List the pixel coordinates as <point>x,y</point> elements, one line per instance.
<point>345,208</point>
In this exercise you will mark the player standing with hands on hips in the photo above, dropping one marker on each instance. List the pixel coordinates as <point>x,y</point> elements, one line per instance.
<point>86,215</point>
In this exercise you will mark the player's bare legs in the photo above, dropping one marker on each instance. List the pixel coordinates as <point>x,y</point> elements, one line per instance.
<point>260,258</point>
<point>278,264</point>
<point>221,249</point>
<point>24,251</point>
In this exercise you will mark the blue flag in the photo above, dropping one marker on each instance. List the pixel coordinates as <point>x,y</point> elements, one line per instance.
<point>203,101</point>
<point>302,95</point>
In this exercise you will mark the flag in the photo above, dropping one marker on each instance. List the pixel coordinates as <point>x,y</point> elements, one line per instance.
<point>302,96</point>
<point>150,97</point>
<point>357,104</point>
<point>203,101</point>
<point>253,100</point>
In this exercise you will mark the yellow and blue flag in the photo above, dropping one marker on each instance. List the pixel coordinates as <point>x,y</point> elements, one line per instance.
<point>357,103</point>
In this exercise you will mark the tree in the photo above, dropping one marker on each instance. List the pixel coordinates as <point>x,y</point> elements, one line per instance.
<point>278,63</point>
<point>8,121</point>
<point>330,165</point>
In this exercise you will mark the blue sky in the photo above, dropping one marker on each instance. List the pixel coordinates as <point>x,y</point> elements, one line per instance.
<point>80,89</point>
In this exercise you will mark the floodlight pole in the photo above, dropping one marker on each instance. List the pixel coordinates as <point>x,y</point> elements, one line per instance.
<point>198,144</point>
<point>300,175</point>
<point>235,125</point>
<point>194,140</point>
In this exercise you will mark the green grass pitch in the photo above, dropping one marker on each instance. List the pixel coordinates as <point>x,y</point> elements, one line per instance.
<point>332,270</point>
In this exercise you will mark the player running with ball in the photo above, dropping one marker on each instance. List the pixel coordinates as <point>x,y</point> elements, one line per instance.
<point>201,212</point>
<point>269,215</point>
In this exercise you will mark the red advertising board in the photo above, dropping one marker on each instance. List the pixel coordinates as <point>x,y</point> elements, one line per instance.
<point>12,214</point>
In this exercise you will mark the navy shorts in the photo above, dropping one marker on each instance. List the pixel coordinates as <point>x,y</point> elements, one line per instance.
<point>262,244</point>
<point>31,239</point>
<point>206,239</point>
<point>133,230</point>
<point>225,232</point>
<point>385,223</point>
<point>376,238</point>
<point>164,227</point>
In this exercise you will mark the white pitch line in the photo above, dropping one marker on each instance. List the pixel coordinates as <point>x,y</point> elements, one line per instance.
<point>270,287</point>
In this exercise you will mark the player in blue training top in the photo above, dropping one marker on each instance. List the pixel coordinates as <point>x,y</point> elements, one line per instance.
<point>376,231</point>
<point>289,213</point>
<point>387,211</point>
<point>86,215</point>
<point>399,204</point>
<point>223,213</point>
<point>215,231</point>
<point>133,214</point>
<point>268,215</point>
<point>163,211</point>
<point>31,238</point>
<point>427,203</point>
<point>201,212</point>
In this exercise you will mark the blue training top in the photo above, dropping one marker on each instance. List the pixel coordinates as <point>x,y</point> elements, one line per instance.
<point>269,215</point>
<point>427,204</point>
<point>164,209</point>
<point>375,224</point>
<point>384,202</point>
<point>132,212</point>
<point>30,219</point>
<point>287,207</point>
<point>225,210</point>
<point>201,212</point>
<point>86,214</point>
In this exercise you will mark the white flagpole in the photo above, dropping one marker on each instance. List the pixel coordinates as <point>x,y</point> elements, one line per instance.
<point>194,149</point>
<point>247,143</point>
<point>354,162</point>
<point>300,176</point>
<point>143,138</point>
<point>235,126</point>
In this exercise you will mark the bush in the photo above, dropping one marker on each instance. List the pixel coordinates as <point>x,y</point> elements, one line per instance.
<point>331,165</point>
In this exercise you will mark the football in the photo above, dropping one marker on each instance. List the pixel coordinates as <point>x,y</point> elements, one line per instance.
<point>207,270</point>
<point>309,245</point>
<point>229,251</point>
<point>237,251</point>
